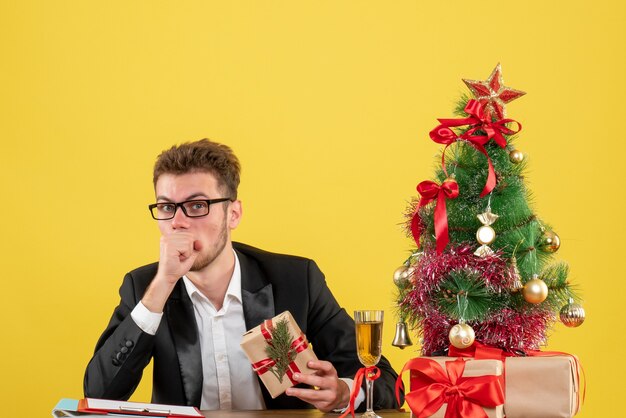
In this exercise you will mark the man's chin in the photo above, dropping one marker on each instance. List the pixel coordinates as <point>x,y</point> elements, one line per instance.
<point>205,260</point>
<point>201,264</point>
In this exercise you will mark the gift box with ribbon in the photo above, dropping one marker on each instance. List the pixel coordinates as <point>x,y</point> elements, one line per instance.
<point>539,384</point>
<point>277,349</point>
<point>453,388</point>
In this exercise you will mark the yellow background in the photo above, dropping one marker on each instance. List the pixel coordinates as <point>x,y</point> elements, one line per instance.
<point>328,105</point>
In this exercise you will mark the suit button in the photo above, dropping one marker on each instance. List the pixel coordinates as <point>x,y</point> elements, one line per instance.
<point>115,362</point>
<point>124,350</point>
<point>119,356</point>
<point>129,343</point>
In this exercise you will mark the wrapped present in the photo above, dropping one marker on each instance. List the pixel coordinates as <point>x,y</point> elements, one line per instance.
<point>447,387</point>
<point>545,386</point>
<point>541,384</point>
<point>277,349</point>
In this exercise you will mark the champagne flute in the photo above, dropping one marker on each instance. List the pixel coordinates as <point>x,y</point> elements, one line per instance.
<point>369,339</point>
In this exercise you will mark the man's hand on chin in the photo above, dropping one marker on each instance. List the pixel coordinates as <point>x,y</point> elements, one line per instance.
<point>333,393</point>
<point>178,251</point>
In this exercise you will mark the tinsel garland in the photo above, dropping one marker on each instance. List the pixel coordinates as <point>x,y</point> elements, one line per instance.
<point>432,269</point>
<point>434,329</point>
<point>512,330</point>
<point>507,328</point>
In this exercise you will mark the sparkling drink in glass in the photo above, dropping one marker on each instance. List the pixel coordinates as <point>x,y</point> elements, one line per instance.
<point>369,339</point>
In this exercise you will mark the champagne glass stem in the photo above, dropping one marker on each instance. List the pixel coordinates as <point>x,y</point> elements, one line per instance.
<point>369,397</point>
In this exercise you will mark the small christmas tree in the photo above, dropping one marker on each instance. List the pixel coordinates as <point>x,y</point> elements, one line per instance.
<point>483,268</point>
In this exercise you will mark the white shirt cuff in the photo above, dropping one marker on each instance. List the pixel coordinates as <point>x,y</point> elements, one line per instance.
<point>359,398</point>
<point>146,320</point>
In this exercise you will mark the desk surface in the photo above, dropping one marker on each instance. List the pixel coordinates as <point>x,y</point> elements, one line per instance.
<point>297,413</point>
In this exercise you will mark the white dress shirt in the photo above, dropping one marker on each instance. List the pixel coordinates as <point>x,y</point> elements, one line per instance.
<point>228,379</point>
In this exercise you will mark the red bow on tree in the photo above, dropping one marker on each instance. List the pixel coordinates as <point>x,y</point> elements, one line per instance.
<point>482,130</point>
<point>429,190</point>
<point>432,386</point>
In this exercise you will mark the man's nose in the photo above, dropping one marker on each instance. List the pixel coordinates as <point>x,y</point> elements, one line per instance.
<point>180,220</point>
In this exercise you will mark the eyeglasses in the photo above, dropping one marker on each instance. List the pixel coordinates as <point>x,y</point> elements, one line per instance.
<point>191,208</point>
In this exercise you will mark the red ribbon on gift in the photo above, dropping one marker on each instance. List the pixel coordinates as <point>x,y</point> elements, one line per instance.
<point>431,191</point>
<point>480,351</point>
<point>370,373</point>
<point>432,386</point>
<point>479,120</point>
<point>263,366</point>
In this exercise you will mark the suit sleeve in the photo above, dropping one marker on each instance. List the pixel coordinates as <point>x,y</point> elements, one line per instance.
<point>122,352</point>
<point>331,331</point>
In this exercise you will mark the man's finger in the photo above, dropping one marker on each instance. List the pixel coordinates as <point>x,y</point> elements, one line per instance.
<point>322,365</point>
<point>311,380</point>
<point>309,395</point>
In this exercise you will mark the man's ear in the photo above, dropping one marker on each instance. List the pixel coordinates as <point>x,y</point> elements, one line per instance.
<point>235,211</point>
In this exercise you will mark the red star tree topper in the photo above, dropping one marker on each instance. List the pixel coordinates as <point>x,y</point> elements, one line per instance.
<point>492,93</point>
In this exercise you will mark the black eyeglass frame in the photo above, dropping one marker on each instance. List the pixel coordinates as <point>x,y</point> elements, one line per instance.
<point>209,202</point>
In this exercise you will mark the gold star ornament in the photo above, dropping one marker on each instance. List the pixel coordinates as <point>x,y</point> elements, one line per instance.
<point>492,93</point>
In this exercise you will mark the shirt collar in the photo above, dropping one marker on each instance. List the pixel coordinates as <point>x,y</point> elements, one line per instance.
<point>233,290</point>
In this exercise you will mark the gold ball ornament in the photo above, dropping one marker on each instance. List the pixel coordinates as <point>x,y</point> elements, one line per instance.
<point>535,290</point>
<point>401,275</point>
<point>461,336</point>
<point>572,315</point>
<point>516,156</point>
<point>485,235</point>
<point>550,242</point>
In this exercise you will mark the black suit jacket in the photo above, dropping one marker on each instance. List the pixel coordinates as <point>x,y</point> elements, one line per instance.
<point>271,283</point>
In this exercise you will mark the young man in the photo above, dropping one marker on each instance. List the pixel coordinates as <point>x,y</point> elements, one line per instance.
<point>188,311</point>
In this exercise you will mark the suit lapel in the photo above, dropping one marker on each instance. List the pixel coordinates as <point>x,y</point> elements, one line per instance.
<point>258,304</point>
<point>184,330</point>
<point>256,292</point>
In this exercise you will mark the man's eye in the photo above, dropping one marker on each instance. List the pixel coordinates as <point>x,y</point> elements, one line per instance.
<point>166,207</point>
<point>198,206</point>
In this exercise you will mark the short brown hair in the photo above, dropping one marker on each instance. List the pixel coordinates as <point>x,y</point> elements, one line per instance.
<point>203,156</point>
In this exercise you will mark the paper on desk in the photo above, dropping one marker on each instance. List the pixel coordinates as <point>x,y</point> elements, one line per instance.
<point>106,405</point>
